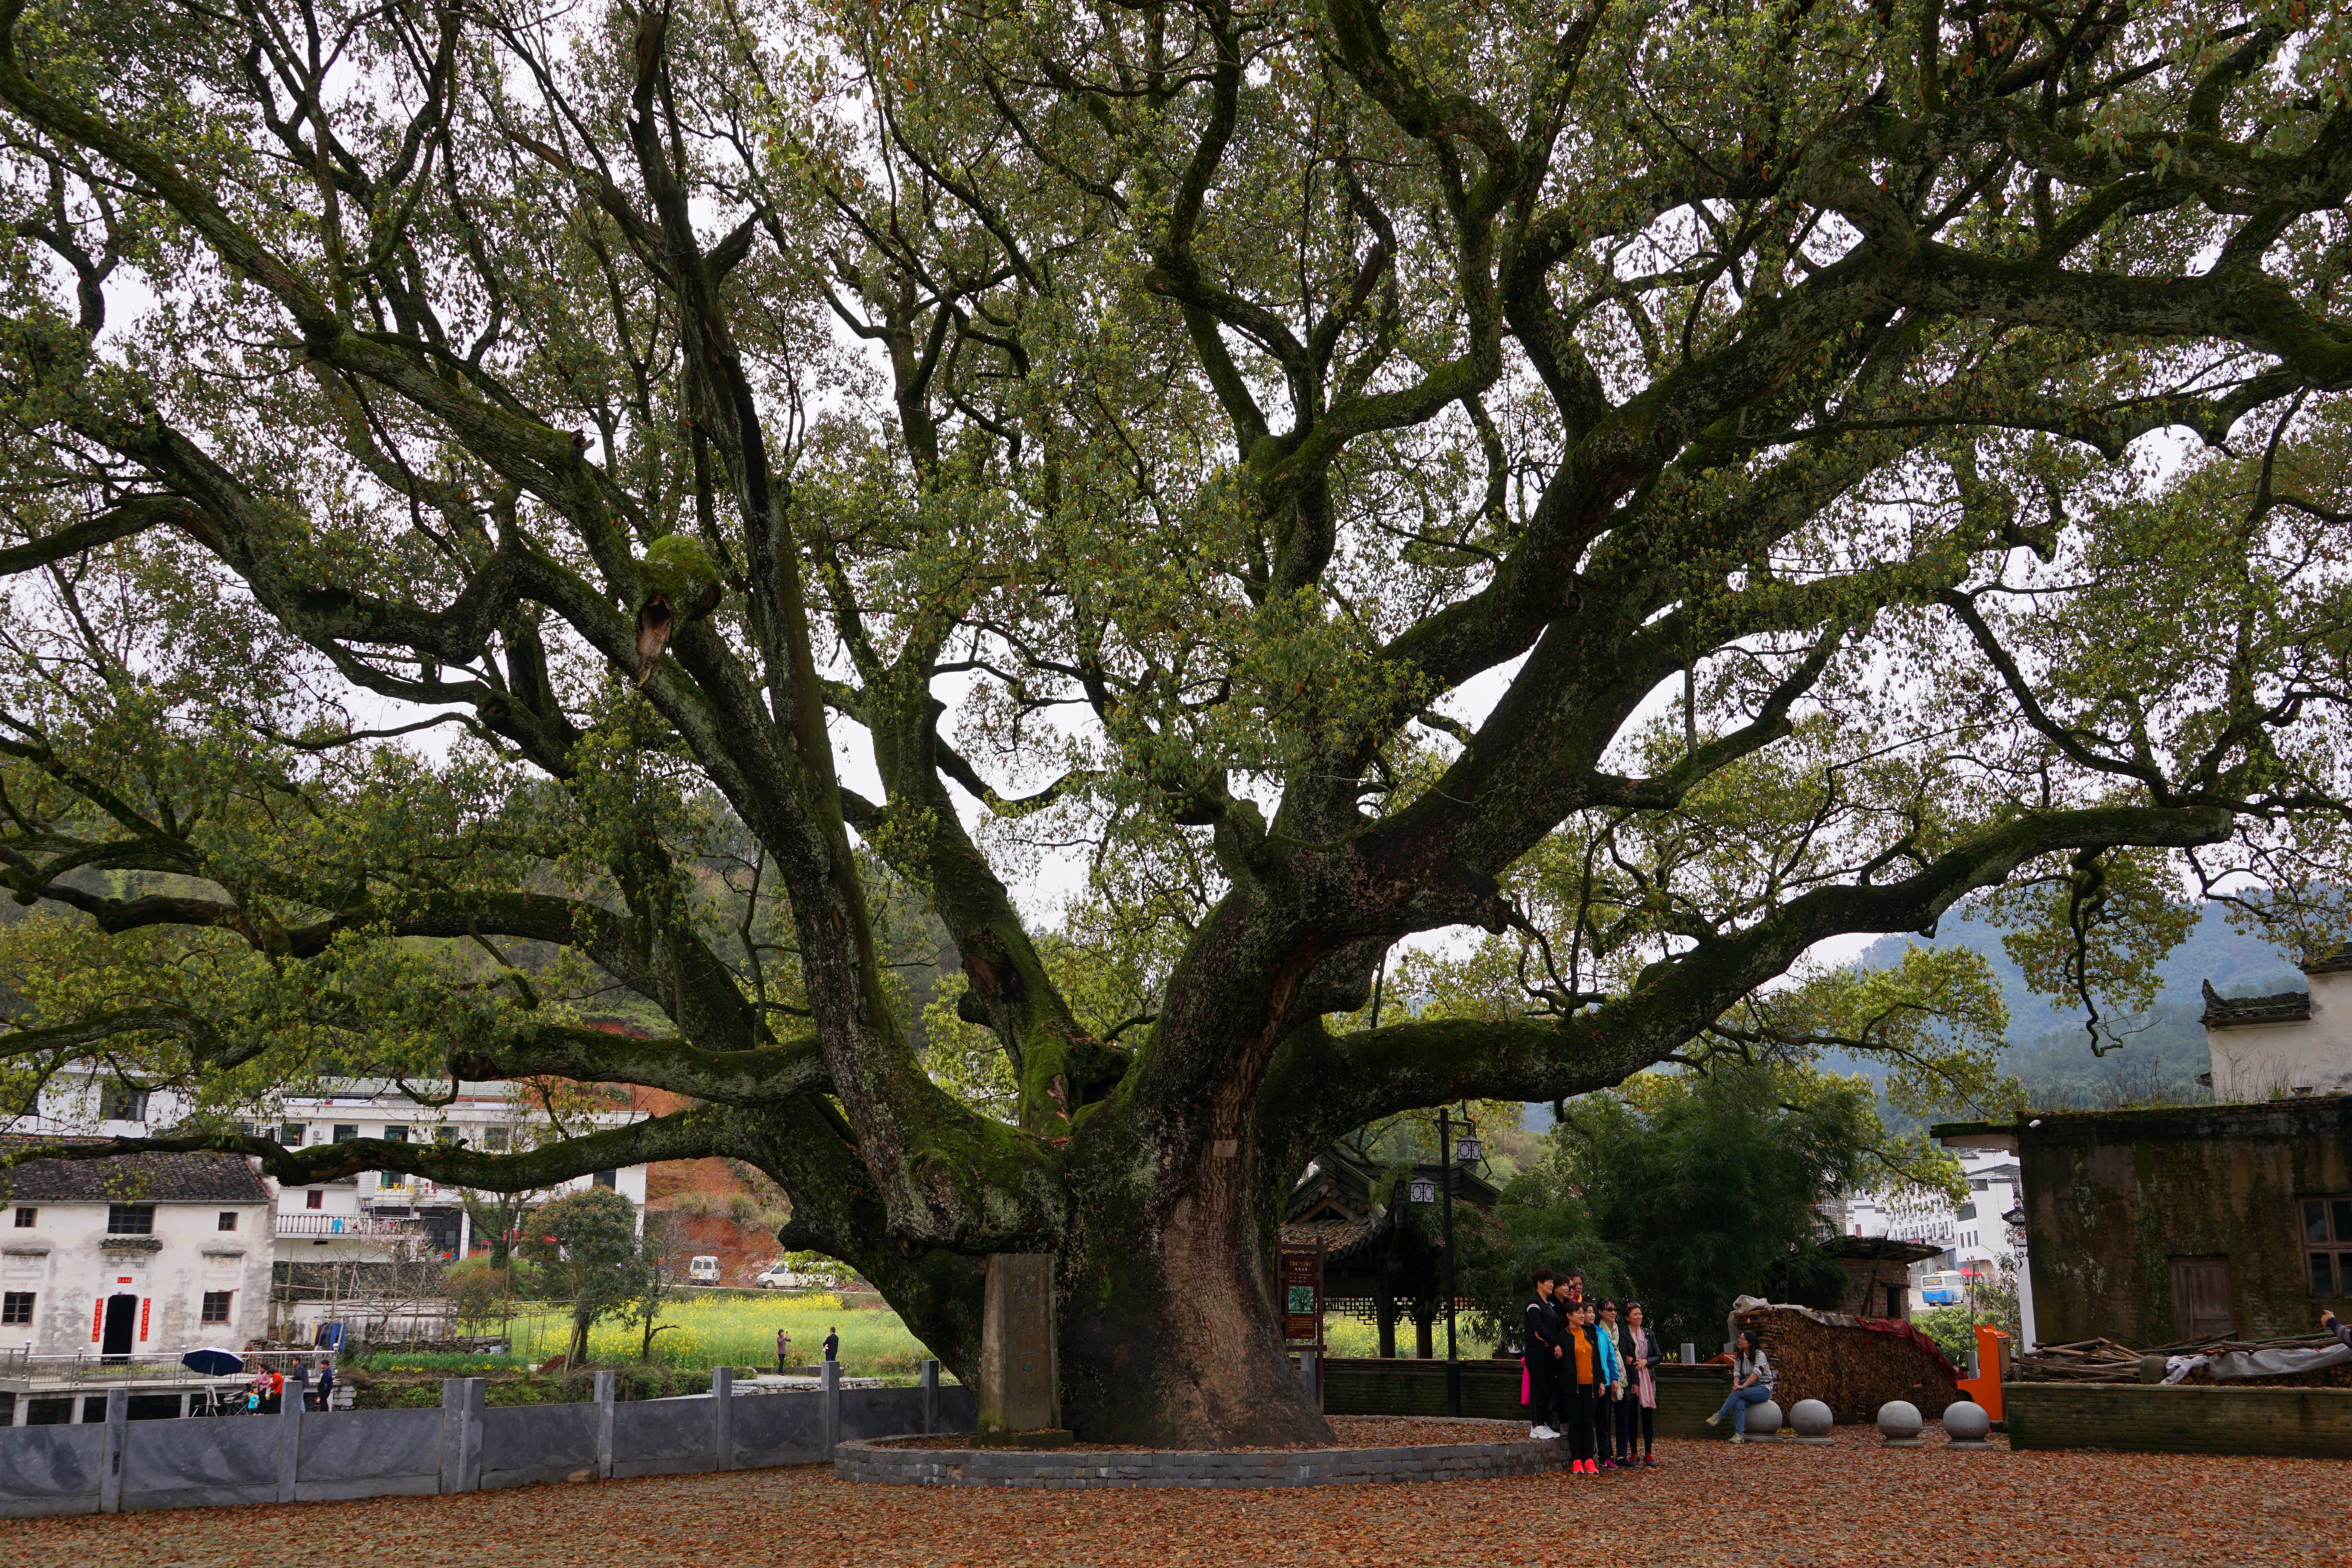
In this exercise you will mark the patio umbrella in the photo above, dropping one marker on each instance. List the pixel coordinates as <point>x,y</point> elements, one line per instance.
<point>214,1362</point>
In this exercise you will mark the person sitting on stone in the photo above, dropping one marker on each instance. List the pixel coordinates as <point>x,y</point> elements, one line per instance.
<point>1751,1383</point>
<point>2336,1325</point>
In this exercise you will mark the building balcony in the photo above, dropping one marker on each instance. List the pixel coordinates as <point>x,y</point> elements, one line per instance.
<point>403,1193</point>
<point>322,1225</point>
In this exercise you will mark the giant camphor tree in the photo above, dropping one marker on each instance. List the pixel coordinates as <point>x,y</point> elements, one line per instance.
<point>1664,484</point>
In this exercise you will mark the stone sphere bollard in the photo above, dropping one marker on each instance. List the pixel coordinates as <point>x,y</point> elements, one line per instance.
<point>1812,1420</point>
<point>1967,1424</point>
<point>1899,1422</point>
<point>1764,1422</point>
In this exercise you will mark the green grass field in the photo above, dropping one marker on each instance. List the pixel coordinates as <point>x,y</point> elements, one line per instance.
<point>740,1331</point>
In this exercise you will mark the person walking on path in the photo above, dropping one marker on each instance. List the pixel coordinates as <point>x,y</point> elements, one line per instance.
<point>327,1384</point>
<point>784,1352</point>
<point>1541,1357</point>
<point>832,1343</point>
<point>1580,1380</point>
<point>1638,1411</point>
<point>1612,1387</point>
<point>1751,1383</point>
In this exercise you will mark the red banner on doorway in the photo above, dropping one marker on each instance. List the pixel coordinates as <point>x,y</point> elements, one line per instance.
<point>145,1304</point>
<point>96,1320</point>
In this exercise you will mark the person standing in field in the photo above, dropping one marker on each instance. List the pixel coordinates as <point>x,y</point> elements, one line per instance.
<point>832,1343</point>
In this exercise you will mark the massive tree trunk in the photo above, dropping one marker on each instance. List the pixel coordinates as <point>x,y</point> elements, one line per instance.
<point>1074,493</point>
<point>1172,1331</point>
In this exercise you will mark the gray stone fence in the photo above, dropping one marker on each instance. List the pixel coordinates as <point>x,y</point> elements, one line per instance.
<point>1070,1469</point>
<point>324,1456</point>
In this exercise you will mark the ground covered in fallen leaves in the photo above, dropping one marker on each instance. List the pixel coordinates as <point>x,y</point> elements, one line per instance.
<point>1706,1504</point>
<point>1352,1432</point>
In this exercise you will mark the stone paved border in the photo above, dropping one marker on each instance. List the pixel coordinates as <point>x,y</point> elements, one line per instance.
<point>877,1463</point>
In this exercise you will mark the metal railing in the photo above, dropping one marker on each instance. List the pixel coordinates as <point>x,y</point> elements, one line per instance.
<point>301,1222</point>
<point>19,1364</point>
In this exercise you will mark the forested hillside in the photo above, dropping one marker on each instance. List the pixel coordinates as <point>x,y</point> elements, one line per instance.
<point>2164,1050</point>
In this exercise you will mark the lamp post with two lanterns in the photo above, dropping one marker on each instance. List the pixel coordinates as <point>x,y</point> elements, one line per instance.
<point>1450,1151</point>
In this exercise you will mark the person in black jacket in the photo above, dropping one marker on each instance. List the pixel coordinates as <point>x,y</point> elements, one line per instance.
<point>1542,1356</point>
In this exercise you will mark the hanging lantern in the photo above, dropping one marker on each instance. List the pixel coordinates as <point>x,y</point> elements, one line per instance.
<point>1465,1150</point>
<point>1425,1191</point>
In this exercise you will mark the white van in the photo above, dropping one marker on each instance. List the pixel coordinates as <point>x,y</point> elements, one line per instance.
<point>703,1270</point>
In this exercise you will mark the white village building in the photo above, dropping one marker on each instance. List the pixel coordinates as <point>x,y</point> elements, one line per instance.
<point>143,1255</point>
<point>2293,1045</point>
<point>1975,1234</point>
<point>151,1255</point>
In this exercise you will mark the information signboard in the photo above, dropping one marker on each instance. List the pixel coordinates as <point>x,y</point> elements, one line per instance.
<point>1302,1296</point>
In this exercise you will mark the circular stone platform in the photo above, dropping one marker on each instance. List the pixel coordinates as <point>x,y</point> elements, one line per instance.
<point>894,1461</point>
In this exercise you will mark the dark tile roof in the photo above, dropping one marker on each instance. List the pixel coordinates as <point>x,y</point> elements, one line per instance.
<point>2229,1011</point>
<point>1338,1237</point>
<point>2332,961</point>
<point>1882,1249</point>
<point>125,1178</point>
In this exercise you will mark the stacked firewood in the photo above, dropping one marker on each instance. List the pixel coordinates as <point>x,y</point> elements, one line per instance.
<point>2083,1360</point>
<point>1851,1368</point>
<point>2104,1361</point>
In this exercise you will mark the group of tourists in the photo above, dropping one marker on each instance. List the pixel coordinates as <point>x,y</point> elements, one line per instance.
<point>1591,1376</point>
<point>266,1395</point>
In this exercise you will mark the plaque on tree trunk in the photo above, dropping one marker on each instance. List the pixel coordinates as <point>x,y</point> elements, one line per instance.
<point>1019,1366</point>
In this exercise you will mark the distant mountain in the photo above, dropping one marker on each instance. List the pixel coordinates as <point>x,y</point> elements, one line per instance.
<point>2235,962</point>
<point>2164,1048</point>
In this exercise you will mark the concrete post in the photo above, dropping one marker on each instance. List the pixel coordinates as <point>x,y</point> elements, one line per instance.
<point>24,1412</point>
<point>931,1396</point>
<point>118,1432</point>
<point>829,1406</point>
<point>469,1458</point>
<point>1308,1379</point>
<point>1690,1353</point>
<point>289,1439</point>
<point>461,1433</point>
<point>722,1417</point>
<point>605,1382</point>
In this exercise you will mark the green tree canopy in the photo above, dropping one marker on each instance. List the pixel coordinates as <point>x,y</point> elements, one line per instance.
<point>1705,1186</point>
<point>1665,485</point>
<point>588,1242</point>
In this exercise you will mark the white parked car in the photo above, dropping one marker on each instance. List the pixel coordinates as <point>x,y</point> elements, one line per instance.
<point>703,1270</point>
<point>782,1278</point>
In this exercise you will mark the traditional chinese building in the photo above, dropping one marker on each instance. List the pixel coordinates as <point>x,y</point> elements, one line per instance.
<point>1384,1253</point>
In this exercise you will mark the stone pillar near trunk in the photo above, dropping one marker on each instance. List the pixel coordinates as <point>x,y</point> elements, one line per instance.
<point>1020,1370</point>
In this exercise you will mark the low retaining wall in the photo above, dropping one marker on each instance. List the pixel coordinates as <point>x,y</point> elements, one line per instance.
<point>2314,1423</point>
<point>882,1464</point>
<point>321,1456</point>
<point>1688,1396</point>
